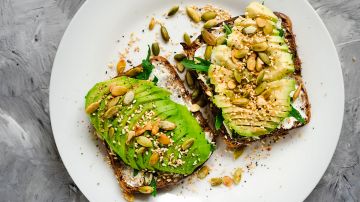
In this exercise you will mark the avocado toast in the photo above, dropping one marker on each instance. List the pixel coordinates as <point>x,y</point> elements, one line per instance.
<point>152,139</point>
<point>254,76</point>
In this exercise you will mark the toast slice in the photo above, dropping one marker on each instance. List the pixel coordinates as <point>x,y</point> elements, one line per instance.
<point>238,141</point>
<point>132,181</point>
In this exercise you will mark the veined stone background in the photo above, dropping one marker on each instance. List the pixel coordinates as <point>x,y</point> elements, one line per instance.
<point>30,166</point>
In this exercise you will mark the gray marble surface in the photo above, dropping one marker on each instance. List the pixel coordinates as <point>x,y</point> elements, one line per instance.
<point>30,166</point>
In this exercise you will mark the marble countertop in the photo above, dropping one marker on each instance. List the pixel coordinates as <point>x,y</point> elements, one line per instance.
<point>30,166</point>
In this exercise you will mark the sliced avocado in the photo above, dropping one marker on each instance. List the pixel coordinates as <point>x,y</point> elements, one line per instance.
<point>255,9</point>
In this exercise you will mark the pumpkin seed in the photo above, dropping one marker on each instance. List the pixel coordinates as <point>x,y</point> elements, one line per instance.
<point>195,94</point>
<point>240,53</point>
<point>208,52</point>
<point>227,181</point>
<point>179,57</point>
<point>180,67</point>
<point>194,108</point>
<point>189,80</point>
<point>118,90</point>
<point>155,48</point>
<point>193,14</point>
<point>251,62</point>
<point>140,150</point>
<point>113,102</point>
<point>250,29</point>
<point>238,152</point>
<point>208,38</point>
<point>130,136</point>
<point>216,181</point>
<point>268,29</point>
<point>187,39</point>
<point>260,77</point>
<point>187,143</point>
<point>210,23</point>
<point>240,101</point>
<point>173,10</point>
<point>146,189</point>
<point>133,71</point>
<point>144,141</point>
<point>111,112</point>
<point>164,33</point>
<point>111,132</point>
<point>120,67</point>
<point>152,24</point>
<point>209,15</point>
<point>129,97</point>
<point>238,76</point>
<point>221,40</point>
<point>259,64</point>
<point>231,84</point>
<point>260,46</point>
<point>260,22</point>
<point>167,125</point>
<point>154,158</point>
<point>264,57</point>
<point>92,107</point>
<point>163,139</point>
<point>237,175</point>
<point>203,172</point>
<point>297,92</point>
<point>261,88</point>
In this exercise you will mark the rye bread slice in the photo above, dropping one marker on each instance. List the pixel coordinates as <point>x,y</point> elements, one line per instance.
<point>174,84</point>
<point>239,142</point>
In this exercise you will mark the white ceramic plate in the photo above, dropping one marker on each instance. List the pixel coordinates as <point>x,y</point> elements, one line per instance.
<point>288,172</point>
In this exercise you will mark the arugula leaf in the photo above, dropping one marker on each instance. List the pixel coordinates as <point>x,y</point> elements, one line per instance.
<point>135,172</point>
<point>218,121</point>
<point>153,185</point>
<point>198,64</point>
<point>155,80</point>
<point>296,114</point>
<point>147,67</point>
<point>227,29</point>
<point>281,32</point>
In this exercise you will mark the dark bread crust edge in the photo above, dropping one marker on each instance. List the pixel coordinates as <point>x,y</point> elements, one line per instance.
<point>239,142</point>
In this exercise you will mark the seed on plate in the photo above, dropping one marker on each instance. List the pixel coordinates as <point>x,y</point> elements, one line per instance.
<point>154,158</point>
<point>268,29</point>
<point>140,150</point>
<point>187,39</point>
<point>195,94</point>
<point>264,57</point>
<point>189,80</point>
<point>221,40</point>
<point>240,101</point>
<point>111,112</point>
<point>173,10</point>
<point>167,125</point>
<point>179,57</point>
<point>146,189</point>
<point>209,38</point>
<point>92,107</point>
<point>129,97</point>
<point>238,152</point>
<point>120,67</point>
<point>209,15</point>
<point>164,139</point>
<point>237,175</point>
<point>180,67</point>
<point>193,14</point>
<point>263,46</point>
<point>164,33</point>
<point>250,29</point>
<point>238,76</point>
<point>260,77</point>
<point>297,92</point>
<point>152,24</point>
<point>130,136</point>
<point>195,108</point>
<point>187,144</point>
<point>227,181</point>
<point>261,88</point>
<point>203,172</point>
<point>112,102</point>
<point>208,52</point>
<point>133,71</point>
<point>231,84</point>
<point>260,22</point>
<point>118,90</point>
<point>210,23</point>
<point>216,181</point>
<point>111,132</point>
<point>251,62</point>
<point>144,141</point>
<point>155,48</point>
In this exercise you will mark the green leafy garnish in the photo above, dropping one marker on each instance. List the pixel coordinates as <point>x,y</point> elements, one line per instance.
<point>281,32</point>
<point>296,114</point>
<point>153,185</point>
<point>198,64</point>
<point>227,29</point>
<point>147,67</point>
<point>135,172</point>
<point>155,80</point>
<point>218,121</point>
